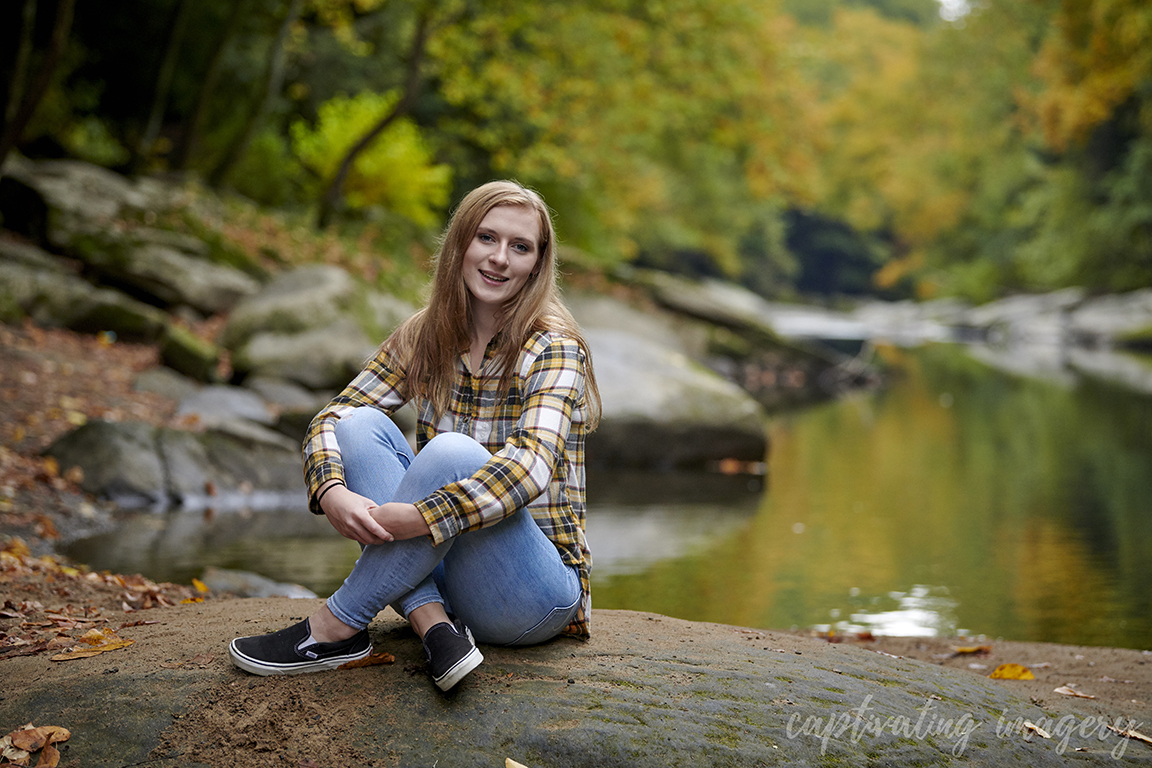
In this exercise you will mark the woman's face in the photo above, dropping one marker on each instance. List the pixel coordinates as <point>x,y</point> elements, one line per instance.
<point>501,256</point>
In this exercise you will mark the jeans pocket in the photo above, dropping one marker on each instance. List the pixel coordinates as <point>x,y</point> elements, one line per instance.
<point>550,626</point>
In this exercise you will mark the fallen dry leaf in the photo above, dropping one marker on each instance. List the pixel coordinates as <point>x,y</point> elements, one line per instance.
<point>968,650</point>
<point>1067,690</point>
<point>33,738</point>
<point>510,763</point>
<point>12,754</point>
<point>1037,730</point>
<point>98,640</point>
<point>29,650</point>
<point>28,739</point>
<point>383,657</point>
<point>1012,672</point>
<point>49,758</point>
<point>1131,733</point>
<point>17,747</point>
<point>140,623</point>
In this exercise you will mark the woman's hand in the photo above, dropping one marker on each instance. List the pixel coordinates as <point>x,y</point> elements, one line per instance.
<point>404,521</point>
<point>351,515</point>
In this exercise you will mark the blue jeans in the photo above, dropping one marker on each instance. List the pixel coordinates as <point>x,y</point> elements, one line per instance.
<point>506,581</point>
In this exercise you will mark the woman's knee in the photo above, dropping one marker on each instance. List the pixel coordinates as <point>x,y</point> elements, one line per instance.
<point>368,429</point>
<point>456,449</point>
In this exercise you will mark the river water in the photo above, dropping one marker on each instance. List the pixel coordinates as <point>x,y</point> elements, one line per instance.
<point>955,500</point>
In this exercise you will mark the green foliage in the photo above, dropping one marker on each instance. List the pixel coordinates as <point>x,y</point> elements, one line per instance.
<point>670,131</point>
<point>396,172</point>
<point>925,13</point>
<point>268,173</point>
<point>1007,152</point>
<point>88,138</point>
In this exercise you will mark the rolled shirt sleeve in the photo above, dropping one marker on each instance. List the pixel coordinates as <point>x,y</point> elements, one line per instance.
<point>376,386</point>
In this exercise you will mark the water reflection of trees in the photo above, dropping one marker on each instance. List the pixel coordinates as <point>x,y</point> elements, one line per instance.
<point>1025,499</point>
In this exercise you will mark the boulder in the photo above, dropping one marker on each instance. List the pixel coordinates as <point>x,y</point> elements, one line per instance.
<point>662,411</point>
<point>295,301</point>
<point>1027,319</point>
<point>188,473</point>
<point>593,310</point>
<point>135,465</point>
<point>93,214</point>
<point>168,268</point>
<point>185,352</point>
<point>165,381</point>
<point>320,358</point>
<point>217,404</point>
<point>315,326</point>
<point>28,255</point>
<point>55,200</point>
<point>286,395</point>
<point>1126,370</point>
<point>645,690</point>
<point>712,300</point>
<point>249,464</point>
<point>60,299</point>
<point>249,584</point>
<point>1120,317</point>
<point>120,462</point>
<point>296,404</point>
<point>662,407</point>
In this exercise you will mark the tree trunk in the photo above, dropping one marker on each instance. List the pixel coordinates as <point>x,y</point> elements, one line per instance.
<point>31,96</point>
<point>332,196</point>
<point>273,81</point>
<point>15,90</point>
<point>190,136</point>
<point>163,82</point>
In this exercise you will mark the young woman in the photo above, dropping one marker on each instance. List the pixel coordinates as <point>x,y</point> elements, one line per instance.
<point>480,534</point>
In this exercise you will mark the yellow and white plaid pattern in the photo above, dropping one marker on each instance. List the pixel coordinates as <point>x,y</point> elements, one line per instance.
<point>535,433</point>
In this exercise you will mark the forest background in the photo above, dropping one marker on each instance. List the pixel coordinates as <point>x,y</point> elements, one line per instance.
<point>899,148</point>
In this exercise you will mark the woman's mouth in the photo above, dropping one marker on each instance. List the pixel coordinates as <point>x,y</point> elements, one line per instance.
<point>493,278</point>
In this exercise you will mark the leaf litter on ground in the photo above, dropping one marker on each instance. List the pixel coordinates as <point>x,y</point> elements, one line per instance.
<point>74,630</point>
<point>17,747</point>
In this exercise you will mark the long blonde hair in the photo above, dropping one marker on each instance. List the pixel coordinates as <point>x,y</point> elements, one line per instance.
<point>429,343</point>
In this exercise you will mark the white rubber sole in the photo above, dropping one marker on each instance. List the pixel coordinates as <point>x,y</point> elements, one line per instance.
<point>460,669</point>
<point>257,667</point>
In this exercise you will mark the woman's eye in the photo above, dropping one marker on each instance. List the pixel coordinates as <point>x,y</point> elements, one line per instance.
<point>521,247</point>
<point>485,238</point>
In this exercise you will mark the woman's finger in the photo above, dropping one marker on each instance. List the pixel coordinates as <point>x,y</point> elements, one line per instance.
<point>372,530</point>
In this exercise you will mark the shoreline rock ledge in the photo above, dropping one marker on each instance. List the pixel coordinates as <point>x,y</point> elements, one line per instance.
<point>646,690</point>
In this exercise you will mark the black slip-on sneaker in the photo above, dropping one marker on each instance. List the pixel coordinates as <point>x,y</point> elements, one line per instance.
<point>451,653</point>
<point>284,652</point>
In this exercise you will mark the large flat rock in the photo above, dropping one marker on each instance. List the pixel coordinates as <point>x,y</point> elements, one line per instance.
<point>647,690</point>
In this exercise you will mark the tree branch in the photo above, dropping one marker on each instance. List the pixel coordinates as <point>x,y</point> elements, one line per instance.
<point>35,92</point>
<point>330,200</point>
<point>273,80</point>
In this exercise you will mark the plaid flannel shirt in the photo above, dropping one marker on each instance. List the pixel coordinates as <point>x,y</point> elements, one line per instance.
<point>535,433</point>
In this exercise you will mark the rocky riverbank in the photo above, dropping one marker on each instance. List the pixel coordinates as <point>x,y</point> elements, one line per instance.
<point>249,349</point>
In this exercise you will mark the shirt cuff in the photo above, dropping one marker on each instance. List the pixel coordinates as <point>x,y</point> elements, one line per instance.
<point>317,482</point>
<point>438,512</point>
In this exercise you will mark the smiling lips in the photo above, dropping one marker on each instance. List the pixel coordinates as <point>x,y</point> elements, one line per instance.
<point>492,277</point>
